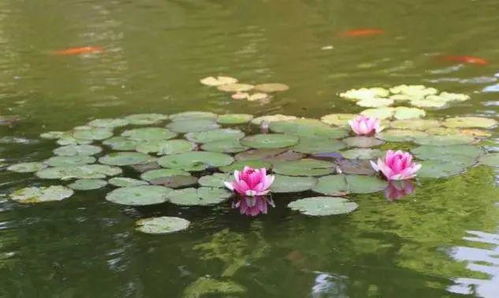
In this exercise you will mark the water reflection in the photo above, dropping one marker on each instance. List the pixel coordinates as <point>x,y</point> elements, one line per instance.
<point>396,190</point>
<point>253,206</point>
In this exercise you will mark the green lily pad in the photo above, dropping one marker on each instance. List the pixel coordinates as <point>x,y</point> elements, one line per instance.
<point>78,172</point>
<point>193,115</point>
<point>332,185</point>
<point>69,140</point>
<point>239,165</point>
<point>194,125</point>
<point>440,169</point>
<point>175,181</point>
<point>304,167</point>
<point>126,182</point>
<point>365,93</point>
<point>122,143</point>
<point>375,102</point>
<point>271,87</point>
<point>272,118</point>
<point>139,195</point>
<point>215,180</point>
<point>53,135</point>
<point>261,141</point>
<point>403,113</point>
<point>307,127</point>
<point>149,134</point>
<point>444,140</point>
<point>433,101</point>
<point>202,196</point>
<point>235,87</point>
<point>162,173</point>
<point>161,225</point>
<point>93,133</point>
<point>125,158</point>
<point>362,153</point>
<point>362,142</point>
<point>313,145</point>
<point>469,122</point>
<point>343,184</point>
<point>401,135</point>
<point>224,146</point>
<point>74,150</point>
<point>41,194</point>
<point>323,206</point>
<point>337,119</point>
<point>165,147</point>
<point>214,135</point>
<point>108,123</point>
<point>234,118</point>
<point>195,161</point>
<point>88,184</point>
<point>465,154</point>
<point>145,119</point>
<point>284,184</point>
<point>68,161</point>
<point>380,113</point>
<point>415,124</point>
<point>491,159</point>
<point>271,155</point>
<point>26,167</point>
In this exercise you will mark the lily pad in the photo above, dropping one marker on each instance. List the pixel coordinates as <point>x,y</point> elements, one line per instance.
<point>401,135</point>
<point>362,153</point>
<point>323,206</point>
<point>470,122</point>
<point>465,154</point>
<point>41,194</point>
<point>307,127</point>
<point>175,181</point>
<point>202,196</point>
<point>284,184</point>
<point>162,173</point>
<point>149,134</point>
<point>375,102</point>
<point>337,119</point>
<point>440,169</point>
<point>139,195</point>
<point>225,146</point>
<point>126,182</point>
<point>234,118</point>
<point>217,81</point>
<point>491,159</point>
<point>414,124</point>
<point>304,167</point>
<point>271,155</point>
<point>380,113</point>
<point>271,87</point>
<point>332,185</point>
<point>125,158</point>
<point>78,172</point>
<point>74,150</point>
<point>193,125</point>
<point>26,167</point>
<point>161,225</point>
<point>343,184</point>
<point>94,133</point>
<point>362,142</point>
<point>145,119</point>
<point>239,165</point>
<point>108,123</point>
<point>312,145</point>
<point>68,161</point>
<point>236,87</point>
<point>122,143</point>
<point>165,147</point>
<point>445,140</point>
<point>193,115</point>
<point>69,140</point>
<point>53,135</point>
<point>365,93</point>
<point>270,141</point>
<point>195,161</point>
<point>272,118</point>
<point>214,135</point>
<point>215,180</point>
<point>88,184</point>
<point>403,113</point>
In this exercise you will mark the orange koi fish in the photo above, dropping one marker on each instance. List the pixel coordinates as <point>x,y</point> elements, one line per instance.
<point>362,32</point>
<point>79,51</point>
<point>465,59</point>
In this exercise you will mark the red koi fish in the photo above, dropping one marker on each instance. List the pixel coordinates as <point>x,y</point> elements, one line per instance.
<point>465,59</point>
<point>79,51</point>
<point>362,32</point>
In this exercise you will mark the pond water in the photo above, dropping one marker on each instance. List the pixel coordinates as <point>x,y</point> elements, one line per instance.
<point>440,241</point>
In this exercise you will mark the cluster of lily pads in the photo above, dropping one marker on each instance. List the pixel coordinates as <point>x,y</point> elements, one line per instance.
<point>418,97</point>
<point>185,158</point>
<point>259,92</point>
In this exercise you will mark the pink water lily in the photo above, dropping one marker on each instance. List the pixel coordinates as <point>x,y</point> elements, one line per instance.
<point>252,206</point>
<point>251,182</point>
<point>398,189</point>
<point>365,126</point>
<point>396,165</point>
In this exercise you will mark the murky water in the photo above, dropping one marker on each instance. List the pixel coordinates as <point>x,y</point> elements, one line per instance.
<point>439,242</point>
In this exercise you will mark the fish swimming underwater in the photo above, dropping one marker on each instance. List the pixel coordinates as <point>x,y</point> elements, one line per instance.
<point>79,51</point>
<point>363,32</point>
<point>464,59</point>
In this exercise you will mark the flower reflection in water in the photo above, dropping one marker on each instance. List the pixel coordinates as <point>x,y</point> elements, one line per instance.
<point>398,189</point>
<point>252,206</point>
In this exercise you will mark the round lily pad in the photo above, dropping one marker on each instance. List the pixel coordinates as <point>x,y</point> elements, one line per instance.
<point>193,115</point>
<point>125,158</point>
<point>41,194</point>
<point>175,181</point>
<point>125,182</point>
<point>271,155</point>
<point>26,167</point>
<point>403,113</point>
<point>88,184</point>
<point>414,124</point>
<point>401,135</point>
<point>161,225</point>
<point>307,127</point>
<point>375,102</point>
<point>239,165</point>
<point>465,154</point>
<point>445,140</point>
<point>491,159</point>
<point>365,93</point>
<point>284,184</point>
<point>313,145</point>
<point>145,119</point>
<point>323,206</point>
<point>225,146</point>
<point>304,167</point>
<point>93,133</point>
<point>78,172</point>
<point>362,142</point>
<point>68,161</point>
<point>332,185</point>
<point>122,143</point>
<point>236,87</point>
<point>343,184</point>
<point>217,81</point>
<point>215,180</point>
<point>74,150</point>
<point>214,135</point>
<point>53,135</point>
<point>440,169</point>
<point>202,196</point>
<point>108,123</point>
<point>69,140</point>
<point>162,173</point>
<point>234,118</point>
<point>380,113</point>
<point>362,153</point>
<point>271,87</point>
<point>165,147</point>
<point>149,134</point>
<point>469,122</point>
<point>194,125</point>
<point>337,119</point>
<point>195,161</point>
<point>139,195</point>
<point>272,118</point>
<point>270,141</point>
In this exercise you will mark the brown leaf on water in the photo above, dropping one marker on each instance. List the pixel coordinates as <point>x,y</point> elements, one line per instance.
<point>357,167</point>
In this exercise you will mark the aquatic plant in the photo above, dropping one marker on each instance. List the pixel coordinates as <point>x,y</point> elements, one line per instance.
<point>397,165</point>
<point>253,206</point>
<point>251,182</point>
<point>365,125</point>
